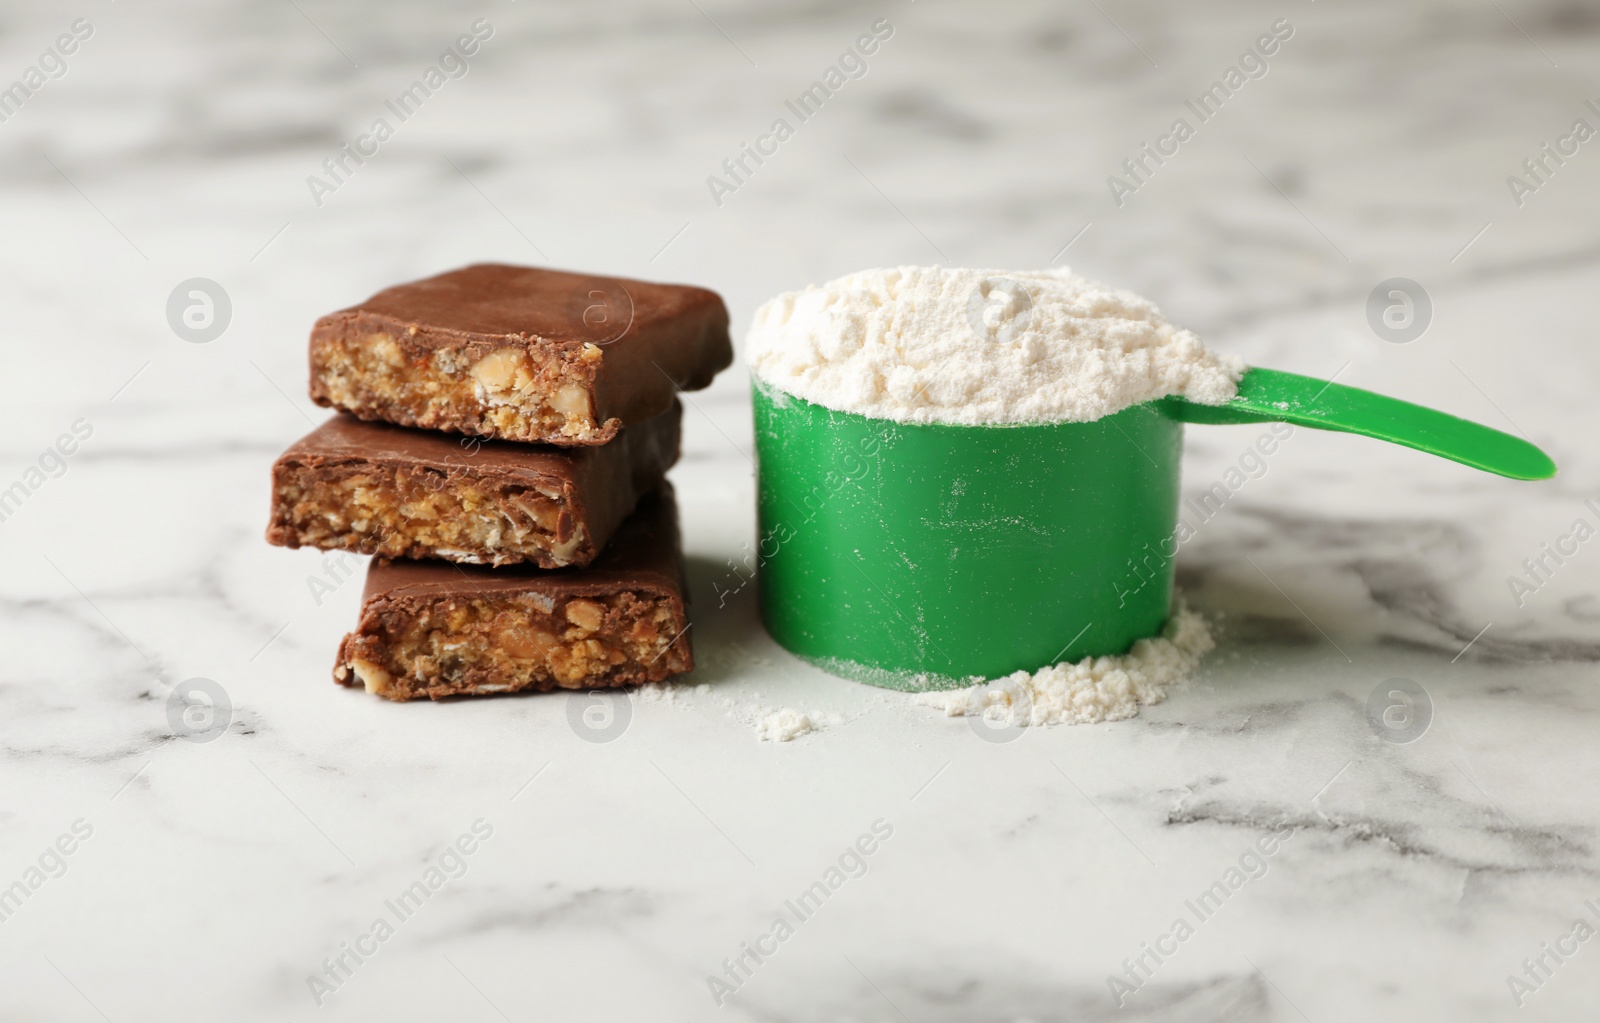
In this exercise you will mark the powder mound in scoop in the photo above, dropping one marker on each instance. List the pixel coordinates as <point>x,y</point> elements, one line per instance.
<point>937,345</point>
<point>1092,690</point>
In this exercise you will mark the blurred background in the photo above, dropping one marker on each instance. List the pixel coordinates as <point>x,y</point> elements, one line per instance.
<point>159,143</point>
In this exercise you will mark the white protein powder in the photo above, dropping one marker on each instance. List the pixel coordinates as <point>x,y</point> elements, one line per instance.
<point>1094,689</point>
<point>939,345</point>
<point>785,725</point>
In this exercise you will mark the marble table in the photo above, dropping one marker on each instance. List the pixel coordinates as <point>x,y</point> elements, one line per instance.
<point>175,868</point>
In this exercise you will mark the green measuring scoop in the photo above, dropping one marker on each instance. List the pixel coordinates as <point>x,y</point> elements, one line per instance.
<point>922,555</point>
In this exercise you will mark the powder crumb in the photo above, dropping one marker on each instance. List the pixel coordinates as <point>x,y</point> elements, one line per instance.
<point>785,725</point>
<point>943,345</point>
<point>781,725</point>
<point>1094,689</point>
<point>657,692</point>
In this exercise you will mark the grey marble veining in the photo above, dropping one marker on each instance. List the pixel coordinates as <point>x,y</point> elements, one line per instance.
<point>217,878</point>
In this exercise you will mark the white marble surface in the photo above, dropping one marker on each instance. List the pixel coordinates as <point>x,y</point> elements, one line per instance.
<point>219,875</point>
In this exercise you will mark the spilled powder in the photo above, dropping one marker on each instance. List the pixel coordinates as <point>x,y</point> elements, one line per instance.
<point>785,725</point>
<point>1095,689</point>
<point>1092,690</point>
<point>782,724</point>
<point>947,345</point>
<point>659,692</point>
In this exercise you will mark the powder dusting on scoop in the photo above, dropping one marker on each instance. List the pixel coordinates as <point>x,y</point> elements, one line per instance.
<point>939,345</point>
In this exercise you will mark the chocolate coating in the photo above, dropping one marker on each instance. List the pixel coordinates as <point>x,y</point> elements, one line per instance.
<point>631,343</point>
<point>596,487</point>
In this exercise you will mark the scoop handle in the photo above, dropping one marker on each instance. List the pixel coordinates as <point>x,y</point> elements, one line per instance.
<point>1270,395</point>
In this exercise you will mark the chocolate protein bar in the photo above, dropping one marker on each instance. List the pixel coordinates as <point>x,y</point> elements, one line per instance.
<point>379,489</point>
<point>520,353</point>
<point>430,628</point>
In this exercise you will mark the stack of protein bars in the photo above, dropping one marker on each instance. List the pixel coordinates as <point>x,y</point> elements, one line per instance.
<point>501,447</point>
